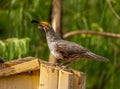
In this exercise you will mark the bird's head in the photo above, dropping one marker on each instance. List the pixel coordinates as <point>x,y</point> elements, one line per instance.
<point>42,25</point>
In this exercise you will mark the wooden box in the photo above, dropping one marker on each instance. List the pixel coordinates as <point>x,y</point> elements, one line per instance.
<point>32,73</point>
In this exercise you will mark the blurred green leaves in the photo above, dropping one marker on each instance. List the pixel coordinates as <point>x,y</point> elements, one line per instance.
<point>12,48</point>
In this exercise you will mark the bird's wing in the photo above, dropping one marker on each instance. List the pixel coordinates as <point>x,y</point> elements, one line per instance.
<point>71,50</point>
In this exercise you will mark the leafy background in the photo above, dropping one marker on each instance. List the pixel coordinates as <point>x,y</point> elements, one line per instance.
<point>18,38</point>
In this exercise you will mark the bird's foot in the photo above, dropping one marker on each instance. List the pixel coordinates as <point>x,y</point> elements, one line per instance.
<point>65,67</point>
<point>62,66</point>
<point>55,64</point>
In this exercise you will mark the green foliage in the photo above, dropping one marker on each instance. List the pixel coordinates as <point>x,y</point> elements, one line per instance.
<point>14,48</point>
<point>18,38</point>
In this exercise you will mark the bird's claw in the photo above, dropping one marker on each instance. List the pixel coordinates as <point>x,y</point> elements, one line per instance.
<point>61,66</point>
<point>55,64</point>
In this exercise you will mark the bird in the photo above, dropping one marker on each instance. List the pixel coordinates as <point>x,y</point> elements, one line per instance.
<point>63,49</point>
<point>2,60</point>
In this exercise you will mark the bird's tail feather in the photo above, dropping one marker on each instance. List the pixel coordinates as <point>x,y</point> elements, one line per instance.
<point>96,57</point>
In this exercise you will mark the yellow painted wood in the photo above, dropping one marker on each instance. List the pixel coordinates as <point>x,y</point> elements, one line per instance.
<point>65,80</point>
<point>20,81</point>
<point>19,68</point>
<point>48,77</point>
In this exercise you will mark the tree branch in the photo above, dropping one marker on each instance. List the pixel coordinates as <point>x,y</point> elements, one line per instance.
<point>112,9</point>
<point>106,34</point>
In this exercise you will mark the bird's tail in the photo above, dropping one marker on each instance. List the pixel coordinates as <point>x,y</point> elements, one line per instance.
<point>96,57</point>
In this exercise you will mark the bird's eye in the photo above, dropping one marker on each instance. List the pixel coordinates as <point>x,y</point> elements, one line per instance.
<point>41,26</point>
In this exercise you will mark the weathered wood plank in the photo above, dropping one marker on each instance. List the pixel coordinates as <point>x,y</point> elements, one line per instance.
<point>48,77</point>
<point>65,80</point>
<point>18,61</point>
<point>79,80</point>
<point>19,68</point>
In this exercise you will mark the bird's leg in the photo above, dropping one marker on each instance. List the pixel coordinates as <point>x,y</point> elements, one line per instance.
<point>63,65</point>
<point>57,63</point>
<point>67,64</point>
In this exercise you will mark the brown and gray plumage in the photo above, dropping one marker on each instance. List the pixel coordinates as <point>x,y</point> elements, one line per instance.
<point>65,50</point>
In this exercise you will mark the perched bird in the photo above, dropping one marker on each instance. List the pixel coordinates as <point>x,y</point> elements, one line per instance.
<point>65,50</point>
<point>2,60</point>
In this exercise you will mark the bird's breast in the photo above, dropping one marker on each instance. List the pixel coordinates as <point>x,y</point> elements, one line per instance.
<point>53,46</point>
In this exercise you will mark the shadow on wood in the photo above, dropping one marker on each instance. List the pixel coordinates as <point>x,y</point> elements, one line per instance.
<point>32,73</point>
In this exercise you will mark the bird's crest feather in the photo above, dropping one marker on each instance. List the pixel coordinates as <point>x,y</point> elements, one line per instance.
<point>45,24</point>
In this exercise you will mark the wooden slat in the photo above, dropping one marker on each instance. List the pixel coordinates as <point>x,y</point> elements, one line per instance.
<point>19,68</point>
<point>48,77</point>
<point>18,61</point>
<point>20,81</point>
<point>2,66</point>
<point>79,80</point>
<point>65,80</point>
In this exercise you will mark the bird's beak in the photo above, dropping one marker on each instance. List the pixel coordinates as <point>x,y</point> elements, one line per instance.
<point>40,27</point>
